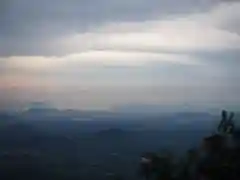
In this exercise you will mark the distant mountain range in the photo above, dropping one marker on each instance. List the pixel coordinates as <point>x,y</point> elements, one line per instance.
<point>156,108</point>
<point>98,142</point>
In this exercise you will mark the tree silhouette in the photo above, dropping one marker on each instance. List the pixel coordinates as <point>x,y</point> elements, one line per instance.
<point>220,161</point>
<point>226,125</point>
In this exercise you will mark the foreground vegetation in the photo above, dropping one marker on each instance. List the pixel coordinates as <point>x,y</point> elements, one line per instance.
<point>217,158</point>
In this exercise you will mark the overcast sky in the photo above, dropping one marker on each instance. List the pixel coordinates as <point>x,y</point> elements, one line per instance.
<point>98,54</point>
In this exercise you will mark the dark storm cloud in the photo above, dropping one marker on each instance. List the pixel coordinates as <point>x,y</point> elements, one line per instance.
<point>27,24</point>
<point>22,16</point>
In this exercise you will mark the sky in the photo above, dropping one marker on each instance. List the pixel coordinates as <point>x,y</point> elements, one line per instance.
<point>101,54</point>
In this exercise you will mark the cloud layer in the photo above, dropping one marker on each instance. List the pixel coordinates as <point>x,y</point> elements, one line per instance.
<point>119,52</point>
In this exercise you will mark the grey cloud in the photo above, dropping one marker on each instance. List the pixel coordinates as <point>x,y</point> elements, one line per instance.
<point>27,27</point>
<point>76,15</point>
<point>26,24</point>
<point>228,59</point>
<point>230,17</point>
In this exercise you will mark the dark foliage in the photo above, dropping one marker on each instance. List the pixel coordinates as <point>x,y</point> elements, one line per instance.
<point>218,158</point>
